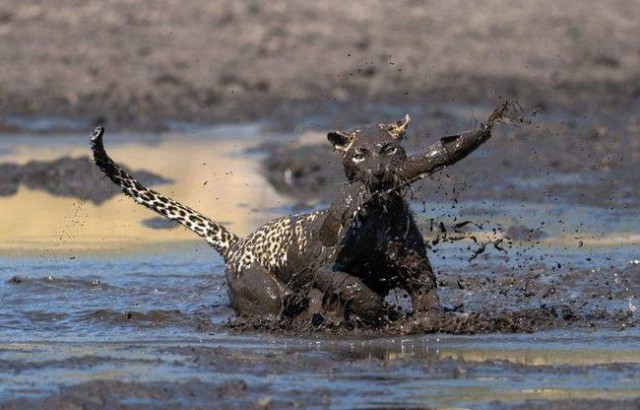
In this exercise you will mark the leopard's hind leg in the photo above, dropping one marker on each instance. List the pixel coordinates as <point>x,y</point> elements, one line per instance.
<point>257,293</point>
<point>215,234</point>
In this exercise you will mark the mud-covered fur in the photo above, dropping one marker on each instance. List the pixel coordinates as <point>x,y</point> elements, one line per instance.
<point>338,263</point>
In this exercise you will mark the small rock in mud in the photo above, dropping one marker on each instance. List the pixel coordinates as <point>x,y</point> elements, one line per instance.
<point>71,177</point>
<point>15,280</point>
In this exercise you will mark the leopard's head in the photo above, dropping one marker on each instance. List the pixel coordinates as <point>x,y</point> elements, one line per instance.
<point>372,154</point>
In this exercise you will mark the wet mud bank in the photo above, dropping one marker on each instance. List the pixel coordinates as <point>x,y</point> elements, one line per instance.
<point>69,177</point>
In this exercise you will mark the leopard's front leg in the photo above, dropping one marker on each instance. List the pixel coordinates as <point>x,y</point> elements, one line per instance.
<point>447,151</point>
<point>420,281</point>
<point>451,149</point>
<point>414,274</point>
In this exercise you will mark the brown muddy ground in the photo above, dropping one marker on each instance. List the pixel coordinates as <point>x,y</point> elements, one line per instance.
<point>136,64</point>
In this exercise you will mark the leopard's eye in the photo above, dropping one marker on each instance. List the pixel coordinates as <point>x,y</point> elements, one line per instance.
<point>390,150</point>
<point>357,158</point>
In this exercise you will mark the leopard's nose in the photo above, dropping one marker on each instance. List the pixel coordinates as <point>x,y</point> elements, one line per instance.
<point>379,172</point>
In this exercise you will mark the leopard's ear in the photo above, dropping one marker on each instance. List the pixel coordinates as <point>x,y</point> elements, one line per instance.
<point>397,129</point>
<point>341,141</point>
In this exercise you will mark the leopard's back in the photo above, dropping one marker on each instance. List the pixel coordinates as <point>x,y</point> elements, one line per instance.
<point>271,245</point>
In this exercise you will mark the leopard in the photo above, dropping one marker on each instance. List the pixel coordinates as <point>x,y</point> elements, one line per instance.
<point>337,264</point>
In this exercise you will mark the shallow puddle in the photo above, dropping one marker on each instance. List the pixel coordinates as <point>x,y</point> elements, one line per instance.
<point>89,292</point>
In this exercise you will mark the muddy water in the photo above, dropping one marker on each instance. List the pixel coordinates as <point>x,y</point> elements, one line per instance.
<point>100,309</point>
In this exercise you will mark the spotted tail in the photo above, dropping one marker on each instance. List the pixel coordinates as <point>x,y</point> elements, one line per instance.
<point>215,234</point>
